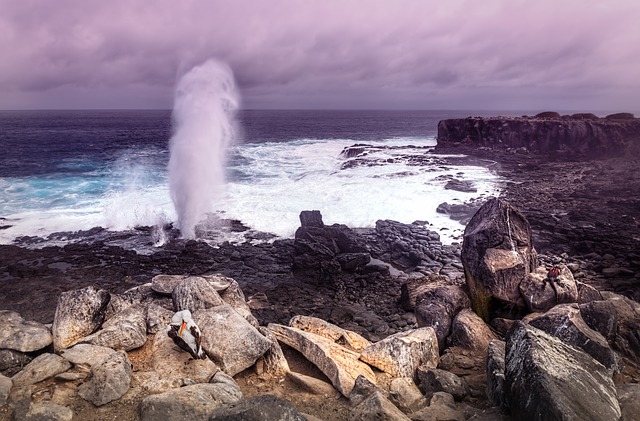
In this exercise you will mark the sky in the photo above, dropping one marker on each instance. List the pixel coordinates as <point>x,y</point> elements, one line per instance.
<point>325,54</point>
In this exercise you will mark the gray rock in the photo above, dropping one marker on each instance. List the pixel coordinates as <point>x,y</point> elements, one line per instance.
<point>469,331</point>
<point>41,368</point>
<point>157,318</point>
<point>231,294</point>
<point>432,380</point>
<point>195,293</point>
<point>601,316</point>
<point>48,411</point>
<point>497,253</point>
<point>496,389</point>
<point>194,403</point>
<point>21,335</point>
<point>125,331</point>
<point>110,379</point>
<point>565,323</point>
<point>376,407</point>
<point>79,313</point>
<point>548,379</point>
<point>258,408</point>
<point>541,294</point>
<point>273,363</point>
<point>5,388</point>
<point>404,394</point>
<point>165,284</point>
<point>587,293</point>
<point>12,361</point>
<point>86,354</point>
<point>229,340</point>
<point>627,339</point>
<point>313,385</point>
<point>629,399</point>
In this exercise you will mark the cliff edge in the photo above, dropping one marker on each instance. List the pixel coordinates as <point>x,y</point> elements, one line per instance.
<point>579,135</point>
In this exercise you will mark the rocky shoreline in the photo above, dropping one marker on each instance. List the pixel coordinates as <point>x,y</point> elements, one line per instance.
<point>583,214</point>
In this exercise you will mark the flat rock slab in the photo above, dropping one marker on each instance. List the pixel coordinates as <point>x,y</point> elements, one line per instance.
<point>20,335</point>
<point>341,365</point>
<point>330,331</point>
<point>126,330</point>
<point>79,313</point>
<point>193,403</point>
<point>548,379</point>
<point>110,379</point>
<point>229,339</point>
<point>41,368</point>
<point>86,354</point>
<point>402,353</point>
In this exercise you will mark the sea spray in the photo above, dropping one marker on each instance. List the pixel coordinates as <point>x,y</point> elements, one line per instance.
<point>205,102</point>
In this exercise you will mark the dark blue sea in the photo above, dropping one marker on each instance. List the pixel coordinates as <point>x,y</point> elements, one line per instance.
<point>74,170</point>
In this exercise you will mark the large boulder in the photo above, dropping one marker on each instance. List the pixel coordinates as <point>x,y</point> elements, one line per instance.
<point>20,335</point>
<point>110,379</point>
<point>541,293</point>
<point>497,254</point>
<point>601,316</point>
<point>548,379</point>
<point>258,408</point>
<point>402,353</point>
<point>437,306</point>
<point>416,286</point>
<point>330,331</point>
<point>231,293</point>
<point>469,331</point>
<point>340,364</point>
<point>432,380</point>
<point>79,313</point>
<point>627,338</point>
<point>126,330</point>
<point>229,339</point>
<point>195,293</point>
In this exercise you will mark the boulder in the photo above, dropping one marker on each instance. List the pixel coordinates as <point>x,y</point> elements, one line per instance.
<point>376,407</point>
<point>540,293</point>
<point>330,331</point>
<point>629,399</point>
<point>627,340</point>
<point>12,361</point>
<point>341,365</point>
<point>565,323</point>
<point>20,335</point>
<point>351,262</point>
<point>601,316</point>
<point>195,293</point>
<point>41,368</point>
<point>229,339</point>
<point>402,353</point>
<point>548,379</point>
<point>496,389</point>
<point>5,388</point>
<point>313,385</point>
<point>86,354</point>
<point>432,380</point>
<point>436,308</point>
<point>587,293</point>
<point>312,218</point>
<point>230,292</point>
<point>273,363</point>
<point>79,313</point>
<point>469,331</point>
<point>126,330</point>
<point>258,408</point>
<point>497,253</point>
<point>48,411</point>
<point>194,403</point>
<point>110,379</point>
<point>441,407</point>
<point>404,394</point>
<point>165,284</point>
<point>415,286</point>
<point>172,363</point>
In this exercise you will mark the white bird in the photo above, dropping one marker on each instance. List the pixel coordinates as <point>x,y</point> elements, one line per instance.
<point>186,334</point>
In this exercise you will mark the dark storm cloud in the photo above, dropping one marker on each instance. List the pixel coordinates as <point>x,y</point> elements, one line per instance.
<point>382,54</point>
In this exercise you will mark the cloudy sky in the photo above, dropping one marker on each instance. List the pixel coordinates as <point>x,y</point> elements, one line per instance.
<point>391,54</point>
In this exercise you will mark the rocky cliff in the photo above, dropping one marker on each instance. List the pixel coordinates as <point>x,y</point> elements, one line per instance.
<point>580,135</point>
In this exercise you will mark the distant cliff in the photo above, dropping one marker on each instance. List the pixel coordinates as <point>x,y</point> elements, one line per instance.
<point>582,135</point>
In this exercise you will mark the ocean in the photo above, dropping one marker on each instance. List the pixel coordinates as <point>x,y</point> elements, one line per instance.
<point>66,171</point>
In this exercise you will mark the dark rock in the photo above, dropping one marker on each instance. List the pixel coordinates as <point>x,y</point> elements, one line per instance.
<point>437,307</point>
<point>629,399</point>
<point>587,293</point>
<point>620,116</point>
<point>12,361</point>
<point>311,219</point>
<point>350,262</point>
<point>496,389</point>
<point>601,316</point>
<point>258,408</point>
<point>541,293</point>
<point>548,114</point>
<point>460,185</point>
<point>548,379</point>
<point>627,340</point>
<point>432,380</point>
<point>497,253</point>
<point>410,290</point>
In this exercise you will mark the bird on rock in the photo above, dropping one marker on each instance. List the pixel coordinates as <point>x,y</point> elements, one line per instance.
<point>186,334</point>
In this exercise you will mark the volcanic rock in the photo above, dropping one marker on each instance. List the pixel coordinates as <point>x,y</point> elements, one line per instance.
<point>126,330</point>
<point>469,331</point>
<point>404,394</point>
<point>86,354</point>
<point>41,368</point>
<point>195,293</point>
<point>258,408</point>
<point>432,380</point>
<point>12,361</point>
<point>540,293</point>
<point>496,389</point>
<point>437,306</point>
<point>20,335</point>
<point>48,411</point>
<point>5,388</point>
<point>601,316</point>
<point>110,379</point>
<point>273,363</point>
<point>330,331</point>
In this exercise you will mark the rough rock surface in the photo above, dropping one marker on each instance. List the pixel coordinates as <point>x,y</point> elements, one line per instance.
<point>110,379</point>
<point>497,253</point>
<point>437,306</point>
<point>432,380</point>
<point>20,335</point>
<point>86,354</point>
<point>126,330</point>
<point>171,362</point>
<point>5,388</point>
<point>629,399</point>
<point>377,407</point>
<point>330,331</point>
<point>42,367</point>
<point>258,408</point>
<point>195,293</point>
<point>404,394</point>
<point>469,331</point>
<point>541,294</point>
<point>496,389</point>
<point>547,379</point>
<point>12,361</point>
<point>48,411</point>
<point>78,314</point>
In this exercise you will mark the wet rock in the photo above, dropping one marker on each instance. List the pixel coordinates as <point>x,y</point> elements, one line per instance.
<point>86,354</point>
<point>258,408</point>
<point>195,402</point>
<point>341,365</point>
<point>126,330</point>
<point>330,331</point>
<point>229,340</point>
<point>404,394</point>
<point>629,399</point>
<point>311,218</point>
<point>548,379</point>
<point>165,284</point>
<point>41,368</point>
<point>464,186</point>
<point>20,335</point>
<point>5,388</point>
<point>110,379</point>
<point>12,361</point>
<point>79,313</point>
<point>48,411</point>
<point>195,293</point>
<point>496,389</point>
<point>497,253</point>
<point>432,380</point>
<point>172,362</point>
<point>469,331</point>
<point>350,262</point>
<point>402,353</point>
<point>540,293</point>
<point>601,316</point>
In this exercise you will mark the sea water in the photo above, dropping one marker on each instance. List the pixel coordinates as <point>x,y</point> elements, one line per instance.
<point>74,170</point>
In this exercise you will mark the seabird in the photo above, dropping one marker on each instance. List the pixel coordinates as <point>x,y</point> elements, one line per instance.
<point>186,334</point>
